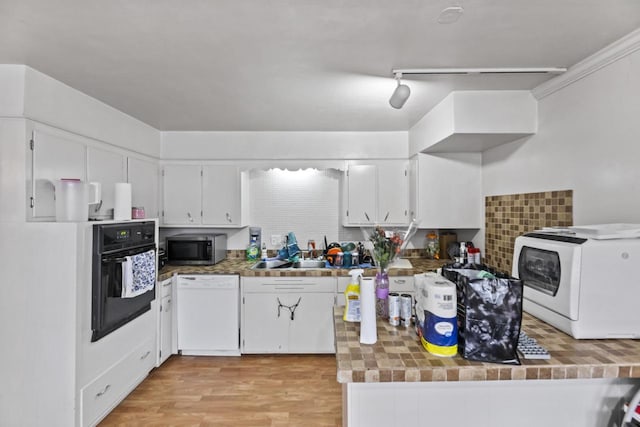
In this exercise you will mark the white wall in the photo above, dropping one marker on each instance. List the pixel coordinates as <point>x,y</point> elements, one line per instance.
<point>11,90</point>
<point>284,145</point>
<point>588,140</point>
<point>30,94</point>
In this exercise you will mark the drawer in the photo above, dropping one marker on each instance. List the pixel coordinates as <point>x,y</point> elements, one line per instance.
<point>401,284</point>
<point>292,284</point>
<point>99,397</point>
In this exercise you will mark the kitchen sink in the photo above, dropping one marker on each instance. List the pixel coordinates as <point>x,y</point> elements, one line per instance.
<point>309,263</point>
<point>282,264</point>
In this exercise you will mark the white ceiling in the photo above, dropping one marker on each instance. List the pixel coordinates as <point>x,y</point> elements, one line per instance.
<point>268,65</point>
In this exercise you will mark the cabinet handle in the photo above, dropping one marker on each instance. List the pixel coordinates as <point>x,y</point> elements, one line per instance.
<point>401,281</point>
<point>189,216</point>
<point>144,356</point>
<point>104,390</point>
<point>228,217</point>
<point>366,216</point>
<point>386,217</point>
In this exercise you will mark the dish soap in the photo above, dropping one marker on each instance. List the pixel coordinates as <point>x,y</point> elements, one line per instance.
<point>252,251</point>
<point>352,297</point>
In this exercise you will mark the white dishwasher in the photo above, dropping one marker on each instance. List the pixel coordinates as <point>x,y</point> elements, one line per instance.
<point>208,319</point>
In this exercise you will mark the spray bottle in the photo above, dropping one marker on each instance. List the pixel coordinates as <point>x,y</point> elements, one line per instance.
<point>352,297</point>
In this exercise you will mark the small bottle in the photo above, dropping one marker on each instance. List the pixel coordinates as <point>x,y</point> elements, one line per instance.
<point>263,252</point>
<point>463,252</point>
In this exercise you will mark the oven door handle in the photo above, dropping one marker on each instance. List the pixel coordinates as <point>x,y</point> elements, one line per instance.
<point>118,260</point>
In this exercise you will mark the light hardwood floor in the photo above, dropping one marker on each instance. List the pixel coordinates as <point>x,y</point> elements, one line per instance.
<point>252,390</point>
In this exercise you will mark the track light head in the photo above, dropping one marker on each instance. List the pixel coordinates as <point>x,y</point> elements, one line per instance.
<point>400,94</point>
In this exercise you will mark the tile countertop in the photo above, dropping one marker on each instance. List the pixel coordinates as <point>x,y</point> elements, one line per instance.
<point>398,356</point>
<point>243,268</point>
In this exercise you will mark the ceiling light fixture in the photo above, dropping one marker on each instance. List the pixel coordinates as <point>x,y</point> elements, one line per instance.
<point>400,94</point>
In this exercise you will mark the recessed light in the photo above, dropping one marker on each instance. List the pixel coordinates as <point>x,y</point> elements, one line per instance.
<point>450,15</point>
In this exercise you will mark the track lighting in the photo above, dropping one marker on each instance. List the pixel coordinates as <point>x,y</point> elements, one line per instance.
<point>400,95</point>
<point>402,92</point>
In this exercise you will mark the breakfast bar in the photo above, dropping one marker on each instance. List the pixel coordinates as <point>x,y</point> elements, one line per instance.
<point>396,381</point>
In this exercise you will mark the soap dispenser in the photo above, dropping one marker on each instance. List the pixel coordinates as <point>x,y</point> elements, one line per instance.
<point>352,297</point>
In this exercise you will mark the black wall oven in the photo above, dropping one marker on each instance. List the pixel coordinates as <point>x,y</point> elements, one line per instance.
<point>123,274</point>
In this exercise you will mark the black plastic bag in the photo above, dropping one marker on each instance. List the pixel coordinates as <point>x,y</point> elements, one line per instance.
<point>489,314</point>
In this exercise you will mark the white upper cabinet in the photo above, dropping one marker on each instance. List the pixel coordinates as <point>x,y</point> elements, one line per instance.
<point>362,203</point>
<point>143,177</point>
<point>107,168</point>
<point>222,191</point>
<point>446,190</point>
<point>377,193</point>
<point>210,195</point>
<point>54,156</point>
<point>393,193</point>
<point>182,202</point>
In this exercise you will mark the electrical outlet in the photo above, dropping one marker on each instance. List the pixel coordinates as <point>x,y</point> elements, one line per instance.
<point>276,240</point>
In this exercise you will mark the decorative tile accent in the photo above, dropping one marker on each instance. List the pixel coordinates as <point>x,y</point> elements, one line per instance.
<point>508,216</point>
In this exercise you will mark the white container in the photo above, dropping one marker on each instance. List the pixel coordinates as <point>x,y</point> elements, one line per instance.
<point>72,200</point>
<point>122,205</point>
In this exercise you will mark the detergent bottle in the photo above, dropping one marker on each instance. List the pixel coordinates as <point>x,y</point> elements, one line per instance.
<point>352,297</point>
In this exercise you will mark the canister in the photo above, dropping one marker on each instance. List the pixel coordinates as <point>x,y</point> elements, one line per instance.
<point>406,303</point>
<point>394,309</point>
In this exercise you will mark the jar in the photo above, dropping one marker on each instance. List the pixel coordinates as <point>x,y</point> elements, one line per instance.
<point>432,246</point>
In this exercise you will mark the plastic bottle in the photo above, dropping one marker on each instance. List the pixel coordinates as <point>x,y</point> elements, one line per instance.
<point>463,252</point>
<point>352,297</point>
<point>252,251</point>
<point>263,253</point>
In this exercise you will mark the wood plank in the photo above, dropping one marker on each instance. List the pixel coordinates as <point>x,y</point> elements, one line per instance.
<point>252,390</point>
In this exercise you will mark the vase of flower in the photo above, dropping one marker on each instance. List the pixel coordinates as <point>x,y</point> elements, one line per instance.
<point>386,246</point>
<point>382,293</point>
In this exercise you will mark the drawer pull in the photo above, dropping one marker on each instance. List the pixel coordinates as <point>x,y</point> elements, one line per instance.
<point>400,281</point>
<point>106,389</point>
<point>144,356</point>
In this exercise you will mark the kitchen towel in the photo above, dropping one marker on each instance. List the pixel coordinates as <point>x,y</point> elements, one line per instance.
<point>138,274</point>
<point>122,205</point>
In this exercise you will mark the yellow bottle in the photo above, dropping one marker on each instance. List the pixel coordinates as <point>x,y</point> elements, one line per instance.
<point>352,297</point>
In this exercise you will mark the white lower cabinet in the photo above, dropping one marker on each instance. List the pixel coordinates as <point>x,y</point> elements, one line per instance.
<point>288,314</point>
<point>100,396</point>
<point>165,322</point>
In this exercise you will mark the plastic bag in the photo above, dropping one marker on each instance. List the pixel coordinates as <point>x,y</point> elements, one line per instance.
<point>489,314</point>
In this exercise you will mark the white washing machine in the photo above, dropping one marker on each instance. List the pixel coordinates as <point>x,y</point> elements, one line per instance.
<point>208,315</point>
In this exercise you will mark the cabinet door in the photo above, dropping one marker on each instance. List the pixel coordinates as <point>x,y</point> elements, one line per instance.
<point>143,176</point>
<point>221,195</point>
<point>311,328</point>
<point>54,157</point>
<point>107,168</point>
<point>166,325</point>
<point>362,194</point>
<point>450,190</point>
<point>182,194</point>
<point>266,324</point>
<point>393,194</point>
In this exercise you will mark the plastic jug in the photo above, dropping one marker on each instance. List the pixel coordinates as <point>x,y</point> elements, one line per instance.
<point>72,200</point>
<point>352,297</point>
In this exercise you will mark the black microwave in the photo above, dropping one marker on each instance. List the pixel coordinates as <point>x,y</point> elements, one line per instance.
<point>196,249</point>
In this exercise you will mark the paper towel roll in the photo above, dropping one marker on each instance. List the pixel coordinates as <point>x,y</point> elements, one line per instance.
<point>122,204</point>
<point>368,332</point>
<point>440,330</point>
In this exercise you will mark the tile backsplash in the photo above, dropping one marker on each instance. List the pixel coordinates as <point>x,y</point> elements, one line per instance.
<point>508,216</point>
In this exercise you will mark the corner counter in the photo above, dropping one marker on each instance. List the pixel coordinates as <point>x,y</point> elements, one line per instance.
<point>396,381</point>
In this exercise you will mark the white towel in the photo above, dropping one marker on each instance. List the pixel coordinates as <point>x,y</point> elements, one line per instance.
<point>138,274</point>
